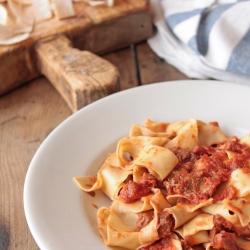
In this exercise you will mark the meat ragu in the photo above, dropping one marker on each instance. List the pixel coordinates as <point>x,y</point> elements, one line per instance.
<point>197,175</point>
<point>163,243</point>
<point>133,191</point>
<point>189,197</point>
<point>223,234</point>
<point>224,240</point>
<point>144,218</point>
<point>165,223</point>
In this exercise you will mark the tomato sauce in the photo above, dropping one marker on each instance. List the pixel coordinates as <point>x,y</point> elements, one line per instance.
<point>133,191</point>
<point>163,243</point>
<point>223,234</point>
<point>144,218</point>
<point>224,240</point>
<point>197,175</point>
<point>165,224</point>
<point>229,192</point>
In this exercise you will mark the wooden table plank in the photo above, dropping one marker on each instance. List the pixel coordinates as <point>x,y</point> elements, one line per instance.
<point>154,69</point>
<point>123,60</point>
<point>28,115</point>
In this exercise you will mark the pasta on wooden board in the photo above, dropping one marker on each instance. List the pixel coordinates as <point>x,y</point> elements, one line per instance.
<point>179,185</point>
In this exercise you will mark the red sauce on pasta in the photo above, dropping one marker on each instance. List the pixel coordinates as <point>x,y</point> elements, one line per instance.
<point>133,191</point>
<point>229,192</point>
<point>224,240</point>
<point>223,235</point>
<point>198,179</point>
<point>144,218</point>
<point>163,243</point>
<point>197,175</point>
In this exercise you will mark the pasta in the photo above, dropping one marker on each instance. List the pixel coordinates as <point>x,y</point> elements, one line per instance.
<point>181,185</point>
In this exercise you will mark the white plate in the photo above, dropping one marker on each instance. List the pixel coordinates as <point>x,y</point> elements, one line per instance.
<point>59,215</point>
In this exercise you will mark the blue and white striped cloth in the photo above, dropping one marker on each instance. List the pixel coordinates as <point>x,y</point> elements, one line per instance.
<point>204,38</point>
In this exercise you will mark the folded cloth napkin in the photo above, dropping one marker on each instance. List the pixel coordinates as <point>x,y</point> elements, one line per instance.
<point>204,38</point>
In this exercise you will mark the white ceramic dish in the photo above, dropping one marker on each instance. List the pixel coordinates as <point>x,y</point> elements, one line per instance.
<point>59,215</point>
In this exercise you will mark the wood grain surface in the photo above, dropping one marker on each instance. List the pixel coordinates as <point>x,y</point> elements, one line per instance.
<point>29,113</point>
<point>80,76</point>
<point>98,29</point>
<point>154,69</point>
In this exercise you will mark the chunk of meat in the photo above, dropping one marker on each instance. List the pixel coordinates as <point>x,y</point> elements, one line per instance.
<point>225,241</point>
<point>201,150</point>
<point>144,218</point>
<point>220,224</point>
<point>165,224</point>
<point>133,191</point>
<point>229,192</point>
<point>162,244</point>
<point>197,181</point>
<point>183,155</point>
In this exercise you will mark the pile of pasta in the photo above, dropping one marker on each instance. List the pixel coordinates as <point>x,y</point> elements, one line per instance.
<point>179,185</point>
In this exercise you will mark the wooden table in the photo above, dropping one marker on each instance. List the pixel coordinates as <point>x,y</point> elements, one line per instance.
<point>29,113</point>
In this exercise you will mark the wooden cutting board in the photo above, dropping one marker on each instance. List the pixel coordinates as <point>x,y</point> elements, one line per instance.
<point>99,29</point>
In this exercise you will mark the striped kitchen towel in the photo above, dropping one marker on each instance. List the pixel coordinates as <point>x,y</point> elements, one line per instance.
<point>204,38</point>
